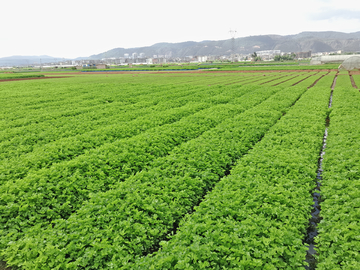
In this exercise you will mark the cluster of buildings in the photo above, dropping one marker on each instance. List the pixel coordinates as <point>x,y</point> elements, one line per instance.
<point>136,59</point>
<point>141,58</point>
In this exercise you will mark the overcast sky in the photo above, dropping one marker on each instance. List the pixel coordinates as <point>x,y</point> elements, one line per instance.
<point>74,28</point>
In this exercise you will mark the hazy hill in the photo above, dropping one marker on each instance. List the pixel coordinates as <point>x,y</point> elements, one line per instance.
<point>18,60</point>
<point>305,41</point>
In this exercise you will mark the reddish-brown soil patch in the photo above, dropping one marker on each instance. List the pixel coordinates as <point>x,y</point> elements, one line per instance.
<point>353,82</point>
<point>354,72</point>
<point>196,71</point>
<point>34,78</point>
<point>307,78</point>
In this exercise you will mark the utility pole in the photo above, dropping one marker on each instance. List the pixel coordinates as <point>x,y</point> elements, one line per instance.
<point>233,34</point>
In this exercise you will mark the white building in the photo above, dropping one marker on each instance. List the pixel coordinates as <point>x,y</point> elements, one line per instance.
<point>202,58</point>
<point>268,52</point>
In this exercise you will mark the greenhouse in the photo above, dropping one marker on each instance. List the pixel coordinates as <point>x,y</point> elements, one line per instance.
<point>350,63</point>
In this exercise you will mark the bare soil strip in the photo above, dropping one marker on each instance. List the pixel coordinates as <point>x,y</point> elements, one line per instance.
<point>275,79</point>
<point>194,71</point>
<point>314,83</point>
<point>334,81</point>
<point>307,78</point>
<point>36,78</point>
<point>285,80</point>
<point>353,82</point>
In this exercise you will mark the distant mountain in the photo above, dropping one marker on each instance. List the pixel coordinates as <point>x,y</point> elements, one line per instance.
<point>18,60</point>
<point>305,41</point>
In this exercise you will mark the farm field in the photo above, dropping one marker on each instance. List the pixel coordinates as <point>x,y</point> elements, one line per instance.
<point>180,170</point>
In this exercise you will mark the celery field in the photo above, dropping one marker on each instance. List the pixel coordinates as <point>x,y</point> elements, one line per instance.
<point>198,170</point>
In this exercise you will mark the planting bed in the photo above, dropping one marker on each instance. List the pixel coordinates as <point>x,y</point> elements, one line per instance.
<point>180,170</point>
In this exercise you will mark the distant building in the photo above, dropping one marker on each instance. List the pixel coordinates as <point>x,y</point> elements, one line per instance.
<point>101,66</point>
<point>202,58</point>
<point>268,52</point>
<point>159,61</point>
<point>303,54</point>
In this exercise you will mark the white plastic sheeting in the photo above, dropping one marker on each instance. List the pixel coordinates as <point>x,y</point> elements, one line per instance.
<point>351,63</point>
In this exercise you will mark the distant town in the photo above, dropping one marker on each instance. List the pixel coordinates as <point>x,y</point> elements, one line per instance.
<point>134,59</point>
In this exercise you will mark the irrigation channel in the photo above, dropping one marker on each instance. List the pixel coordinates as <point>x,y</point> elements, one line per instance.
<point>315,212</point>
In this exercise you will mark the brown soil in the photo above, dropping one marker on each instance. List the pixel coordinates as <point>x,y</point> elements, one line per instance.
<point>307,78</point>
<point>36,78</point>
<point>354,72</point>
<point>3,266</point>
<point>194,72</point>
<point>353,82</point>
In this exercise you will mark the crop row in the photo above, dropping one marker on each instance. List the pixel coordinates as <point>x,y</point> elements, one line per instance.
<point>57,191</point>
<point>339,231</point>
<point>357,80</point>
<point>117,226</point>
<point>256,218</point>
<point>299,77</point>
<point>70,100</point>
<point>19,76</point>
<point>21,140</point>
<point>91,104</point>
<point>69,147</point>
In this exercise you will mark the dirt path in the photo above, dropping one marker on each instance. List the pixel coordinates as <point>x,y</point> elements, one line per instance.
<point>194,71</point>
<point>34,78</point>
<point>353,82</point>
